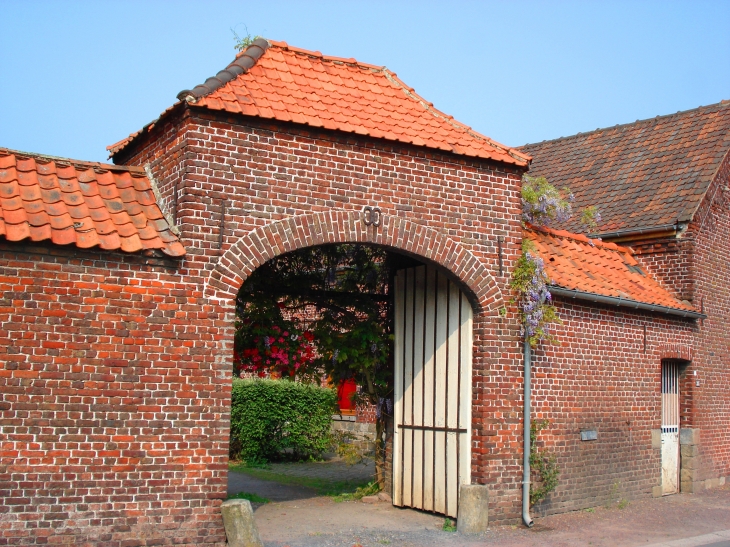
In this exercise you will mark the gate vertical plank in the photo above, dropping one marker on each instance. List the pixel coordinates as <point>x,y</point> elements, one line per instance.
<point>429,383</point>
<point>452,403</point>
<point>440,398</point>
<point>418,323</point>
<point>465,397</point>
<point>433,353</point>
<point>408,392</point>
<point>398,328</point>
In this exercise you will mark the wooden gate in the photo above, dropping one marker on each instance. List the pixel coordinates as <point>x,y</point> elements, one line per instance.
<point>670,427</point>
<point>433,360</point>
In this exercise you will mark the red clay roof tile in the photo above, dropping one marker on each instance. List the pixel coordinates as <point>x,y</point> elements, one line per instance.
<point>575,262</point>
<point>131,244</point>
<point>39,233</point>
<point>110,241</point>
<point>80,203</point>
<point>645,174</point>
<point>276,81</point>
<point>17,232</point>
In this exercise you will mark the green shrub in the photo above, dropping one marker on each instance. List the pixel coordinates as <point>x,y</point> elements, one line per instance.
<point>278,419</point>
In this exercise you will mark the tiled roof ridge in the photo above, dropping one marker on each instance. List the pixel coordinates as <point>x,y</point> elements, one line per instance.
<point>244,61</point>
<point>247,59</point>
<point>725,103</point>
<point>97,166</point>
<point>320,55</point>
<point>579,237</point>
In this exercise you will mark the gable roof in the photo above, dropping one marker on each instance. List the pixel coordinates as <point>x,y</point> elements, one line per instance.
<point>275,81</point>
<point>647,174</point>
<point>590,269</point>
<point>70,202</point>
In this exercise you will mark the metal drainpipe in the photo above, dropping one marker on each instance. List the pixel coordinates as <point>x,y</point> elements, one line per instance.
<point>526,518</point>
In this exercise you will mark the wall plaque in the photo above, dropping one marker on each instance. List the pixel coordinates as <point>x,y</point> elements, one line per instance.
<point>589,435</point>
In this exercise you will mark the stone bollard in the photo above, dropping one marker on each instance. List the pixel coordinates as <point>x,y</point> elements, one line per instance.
<point>240,527</point>
<point>473,509</point>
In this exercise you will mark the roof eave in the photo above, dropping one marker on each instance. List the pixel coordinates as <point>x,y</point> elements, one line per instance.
<point>624,303</point>
<point>632,233</point>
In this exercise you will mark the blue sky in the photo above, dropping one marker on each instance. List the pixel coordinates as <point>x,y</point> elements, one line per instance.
<point>77,76</point>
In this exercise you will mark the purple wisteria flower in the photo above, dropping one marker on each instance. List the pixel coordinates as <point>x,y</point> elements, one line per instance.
<point>534,297</point>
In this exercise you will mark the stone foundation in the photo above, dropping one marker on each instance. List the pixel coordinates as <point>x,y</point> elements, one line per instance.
<point>361,435</point>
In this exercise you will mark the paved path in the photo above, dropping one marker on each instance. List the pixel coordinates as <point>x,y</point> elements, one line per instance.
<point>298,518</point>
<point>241,482</point>
<point>718,539</point>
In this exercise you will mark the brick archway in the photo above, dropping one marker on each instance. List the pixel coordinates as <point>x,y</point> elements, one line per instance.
<point>264,243</point>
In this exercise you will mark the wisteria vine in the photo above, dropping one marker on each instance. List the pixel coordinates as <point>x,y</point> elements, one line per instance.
<point>542,205</point>
<point>530,283</point>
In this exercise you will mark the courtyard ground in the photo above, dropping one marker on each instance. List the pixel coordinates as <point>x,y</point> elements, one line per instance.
<point>297,516</point>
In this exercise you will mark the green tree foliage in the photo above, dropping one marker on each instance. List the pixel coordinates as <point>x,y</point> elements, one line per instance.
<point>271,420</point>
<point>339,294</point>
<point>337,299</point>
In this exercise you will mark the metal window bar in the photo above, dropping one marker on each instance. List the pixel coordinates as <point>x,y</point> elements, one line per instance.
<point>670,397</point>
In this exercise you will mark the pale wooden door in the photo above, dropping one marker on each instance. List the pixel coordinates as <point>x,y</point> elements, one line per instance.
<point>433,367</point>
<point>670,427</point>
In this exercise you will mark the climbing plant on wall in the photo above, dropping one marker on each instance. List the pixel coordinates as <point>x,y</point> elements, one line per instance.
<point>542,205</point>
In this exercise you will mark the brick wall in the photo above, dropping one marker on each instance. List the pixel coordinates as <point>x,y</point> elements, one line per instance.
<point>696,267</point>
<point>671,262</point>
<point>113,415</point>
<point>286,188</point>
<point>603,374</point>
<point>116,385</point>
<point>711,399</point>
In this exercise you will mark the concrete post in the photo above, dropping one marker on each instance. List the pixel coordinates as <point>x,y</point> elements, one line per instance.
<point>473,509</point>
<point>240,526</point>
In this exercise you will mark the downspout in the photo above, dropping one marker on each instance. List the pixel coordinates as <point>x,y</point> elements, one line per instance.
<point>526,518</point>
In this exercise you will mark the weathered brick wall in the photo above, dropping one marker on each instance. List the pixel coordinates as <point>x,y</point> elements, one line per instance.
<point>321,180</point>
<point>270,173</point>
<point>603,374</point>
<point>113,413</point>
<point>711,399</point>
<point>137,452</point>
<point>670,261</point>
<point>697,268</point>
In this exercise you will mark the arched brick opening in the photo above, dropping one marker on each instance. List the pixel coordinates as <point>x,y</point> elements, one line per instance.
<point>398,234</point>
<point>297,232</point>
<point>682,353</point>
